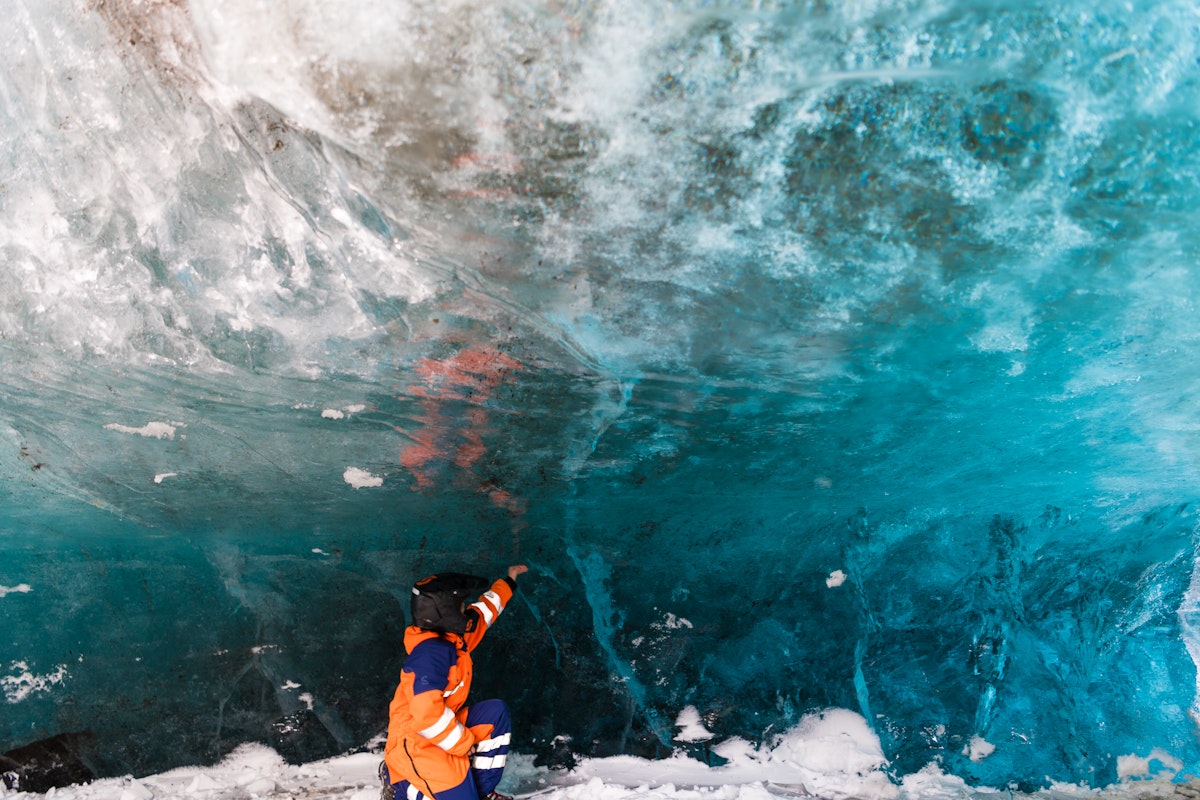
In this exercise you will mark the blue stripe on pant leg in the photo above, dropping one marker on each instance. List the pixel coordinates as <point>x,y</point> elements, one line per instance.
<point>490,754</point>
<point>464,791</point>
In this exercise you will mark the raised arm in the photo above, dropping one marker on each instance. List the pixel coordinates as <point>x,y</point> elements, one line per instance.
<point>492,602</point>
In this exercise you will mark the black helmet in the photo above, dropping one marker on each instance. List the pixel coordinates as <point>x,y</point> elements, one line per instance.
<point>437,601</point>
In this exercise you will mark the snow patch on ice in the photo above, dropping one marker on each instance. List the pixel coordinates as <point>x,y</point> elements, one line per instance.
<point>20,588</point>
<point>835,579</point>
<point>675,623</point>
<point>360,478</point>
<point>162,476</point>
<point>832,754</point>
<point>136,790</point>
<point>933,784</point>
<point>978,749</point>
<point>1158,764</point>
<point>151,430</point>
<point>22,683</point>
<point>338,413</point>
<point>691,727</point>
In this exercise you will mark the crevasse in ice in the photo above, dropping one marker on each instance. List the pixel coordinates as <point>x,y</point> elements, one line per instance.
<point>819,355</point>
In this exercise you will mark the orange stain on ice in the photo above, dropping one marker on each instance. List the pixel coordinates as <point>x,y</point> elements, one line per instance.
<point>443,438</point>
<point>507,163</point>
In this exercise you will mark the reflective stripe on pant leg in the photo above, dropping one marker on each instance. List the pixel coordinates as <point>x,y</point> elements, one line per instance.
<point>491,749</point>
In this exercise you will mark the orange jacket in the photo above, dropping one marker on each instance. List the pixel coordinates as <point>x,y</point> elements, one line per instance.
<point>427,741</point>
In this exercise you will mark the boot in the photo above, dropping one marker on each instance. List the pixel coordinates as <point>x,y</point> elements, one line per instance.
<point>496,796</point>
<point>388,792</point>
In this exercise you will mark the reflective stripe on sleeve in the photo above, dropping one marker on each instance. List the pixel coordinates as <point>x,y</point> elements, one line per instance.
<point>452,739</point>
<point>449,692</point>
<point>494,599</point>
<point>444,721</point>
<point>485,612</point>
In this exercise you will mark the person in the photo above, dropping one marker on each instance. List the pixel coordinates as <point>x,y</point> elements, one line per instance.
<point>438,747</point>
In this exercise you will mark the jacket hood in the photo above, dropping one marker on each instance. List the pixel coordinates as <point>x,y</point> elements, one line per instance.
<point>414,635</point>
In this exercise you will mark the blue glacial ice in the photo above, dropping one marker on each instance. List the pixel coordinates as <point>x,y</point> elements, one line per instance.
<point>817,355</point>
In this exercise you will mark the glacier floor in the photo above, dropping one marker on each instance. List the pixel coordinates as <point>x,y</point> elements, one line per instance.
<point>831,755</point>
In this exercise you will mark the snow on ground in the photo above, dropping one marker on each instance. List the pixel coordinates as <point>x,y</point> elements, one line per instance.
<point>831,755</point>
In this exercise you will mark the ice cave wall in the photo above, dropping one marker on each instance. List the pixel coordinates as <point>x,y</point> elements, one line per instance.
<point>812,357</point>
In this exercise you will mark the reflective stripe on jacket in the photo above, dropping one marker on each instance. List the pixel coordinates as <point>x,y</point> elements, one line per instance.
<point>427,741</point>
